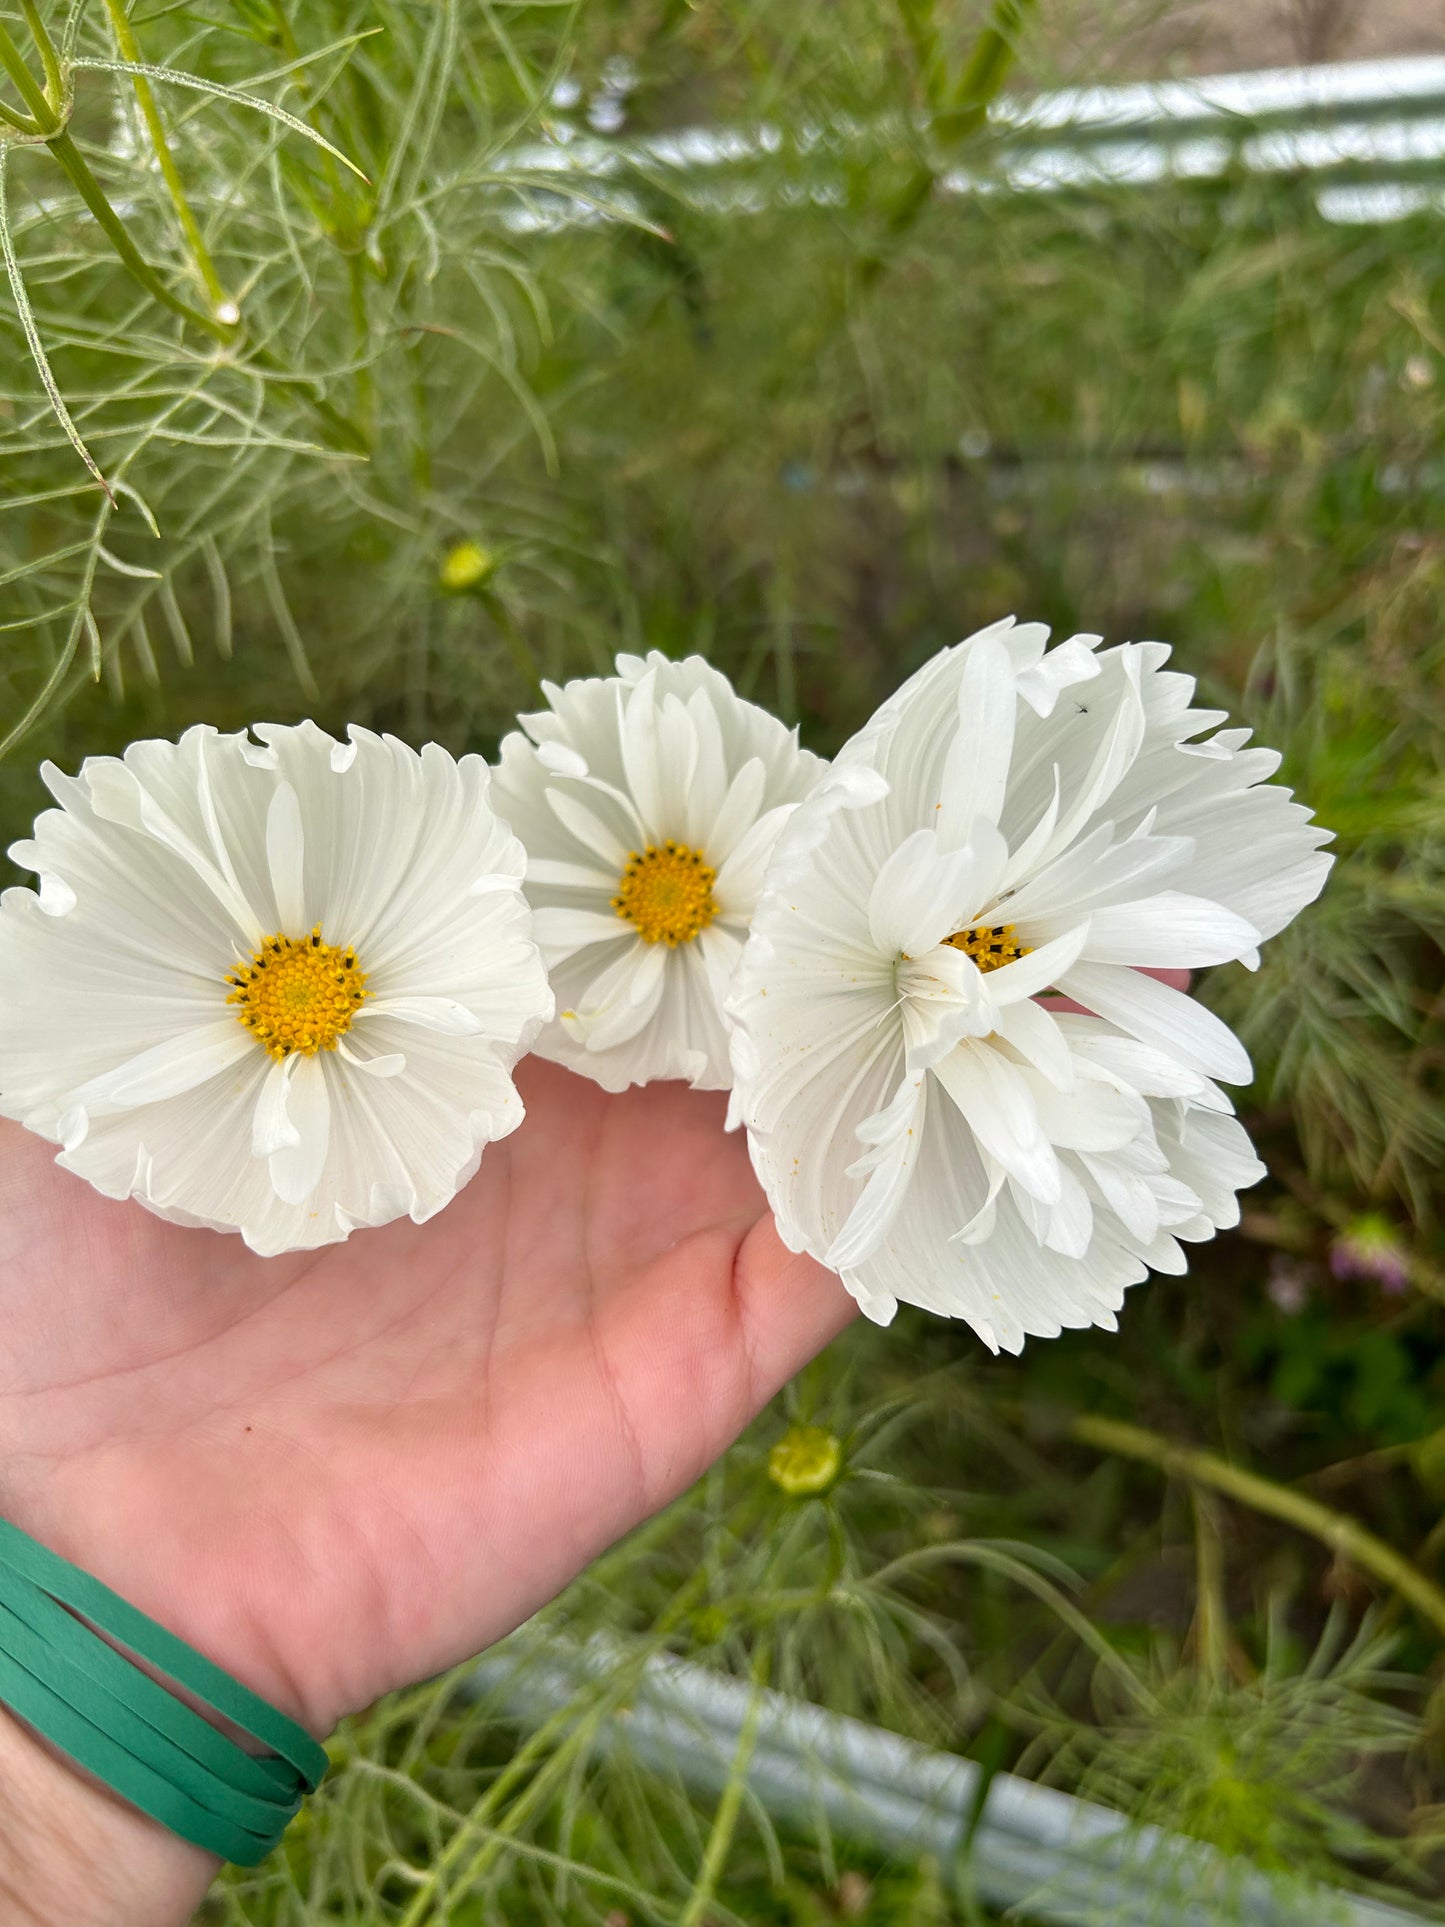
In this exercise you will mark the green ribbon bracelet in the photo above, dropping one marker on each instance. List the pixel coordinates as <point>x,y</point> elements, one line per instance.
<point>148,1746</point>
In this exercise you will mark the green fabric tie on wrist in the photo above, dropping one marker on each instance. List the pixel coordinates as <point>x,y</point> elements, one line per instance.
<point>144,1743</point>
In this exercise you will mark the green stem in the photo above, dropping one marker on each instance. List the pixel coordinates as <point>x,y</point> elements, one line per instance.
<point>431,1895</point>
<point>365,388</point>
<point>13,61</point>
<point>1211,1626</point>
<point>342,226</point>
<point>959,109</point>
<point>988,67</point>
<point>346,232</point>
<point>63,147</point>
<point>170,173</point>
<point>725,1820</point>
<point>1345,1536</point>
<point>22,123</point>
<point>49,59</point>
<point>348,437</point>
<point>512,636</point>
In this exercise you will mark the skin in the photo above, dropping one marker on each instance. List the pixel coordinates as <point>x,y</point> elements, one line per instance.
<point>338,1472</point>
<point>341,1471</point>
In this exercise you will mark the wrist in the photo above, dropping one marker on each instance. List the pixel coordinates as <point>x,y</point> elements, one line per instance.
<point>73,1855</point>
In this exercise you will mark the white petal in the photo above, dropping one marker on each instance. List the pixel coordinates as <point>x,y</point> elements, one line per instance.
<point>1128,1063</point>
<point>980,1226</point>
<point>271,1127</point>
<point>442,1014</point>
<point>1172,1022</point>
<point>895,1136</point>
<point>649,961</point>
<point>390,1064</point>
<point>1113,758</point>
<point>570,876</point>
<point>589,829</point>
<point>118,796</point>
<point>618,1001</point>
<point>1023,859</point>
<point>296,1168</point>
<point>996,1102</point>
<point>1071,1220</point>
<point>167,1069</point>
<point>1098,869</point>
<point>561,932</point>
<point>739,811</point>
<point>1071,662</point>
<point>638,734</point>
<point>561,759</point>
<point>1037,1036</point>
<point>709,783</point>
<point>1091,1117</point>
<point>721,950</point>
<point>1026,976</point>
<point>740,879</point>
<point>921,895</point>
<point>975,772</point>
<point>286,854</point>
<point>1168,932</point>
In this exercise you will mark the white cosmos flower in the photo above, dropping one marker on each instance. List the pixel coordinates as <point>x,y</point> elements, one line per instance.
<point>648,803</point>
<point>1013,823</point>
<point>275,987</point>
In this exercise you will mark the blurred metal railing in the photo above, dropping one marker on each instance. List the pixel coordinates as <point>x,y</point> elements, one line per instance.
<point>1369,134</point>
<point>1054,1858</point>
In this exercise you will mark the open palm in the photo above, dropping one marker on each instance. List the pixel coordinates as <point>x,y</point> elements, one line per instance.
<point>339,1471</point>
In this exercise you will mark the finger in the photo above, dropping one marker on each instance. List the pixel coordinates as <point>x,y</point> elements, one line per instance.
<point>789,1306</point>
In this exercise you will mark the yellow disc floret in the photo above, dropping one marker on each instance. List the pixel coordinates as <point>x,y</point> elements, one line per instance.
<point>667,893</point>
<point>297,995</point>
<point>990,945</point>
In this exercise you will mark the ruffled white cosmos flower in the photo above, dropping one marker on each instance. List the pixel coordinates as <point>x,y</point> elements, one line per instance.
<point>1013,823</point>
<point>648,803</point>
<point>275,987</point>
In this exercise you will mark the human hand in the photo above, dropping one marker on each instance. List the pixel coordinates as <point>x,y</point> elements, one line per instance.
<point>339,1471</point>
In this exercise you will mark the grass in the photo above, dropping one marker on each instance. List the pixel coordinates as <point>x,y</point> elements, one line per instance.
<point>451,445</point>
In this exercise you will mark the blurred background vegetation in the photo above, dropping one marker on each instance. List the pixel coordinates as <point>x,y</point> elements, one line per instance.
<point>540,386</point>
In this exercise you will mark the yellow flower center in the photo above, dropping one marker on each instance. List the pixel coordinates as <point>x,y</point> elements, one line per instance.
<point>805,1460</point>
<point>667,893</point>
<point>990,945</point>
<point>298,995</point>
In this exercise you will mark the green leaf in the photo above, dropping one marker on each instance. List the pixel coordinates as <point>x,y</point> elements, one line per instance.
<point>130,68</point>
<point>33,341</point>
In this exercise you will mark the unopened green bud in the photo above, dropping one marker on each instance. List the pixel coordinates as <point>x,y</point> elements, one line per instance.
<point>466,566</point>
<point>805,1461</point>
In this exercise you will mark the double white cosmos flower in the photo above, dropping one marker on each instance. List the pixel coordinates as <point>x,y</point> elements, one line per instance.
<point>1013,823</point>
<point>649,803</point>
<point>274,986</point>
